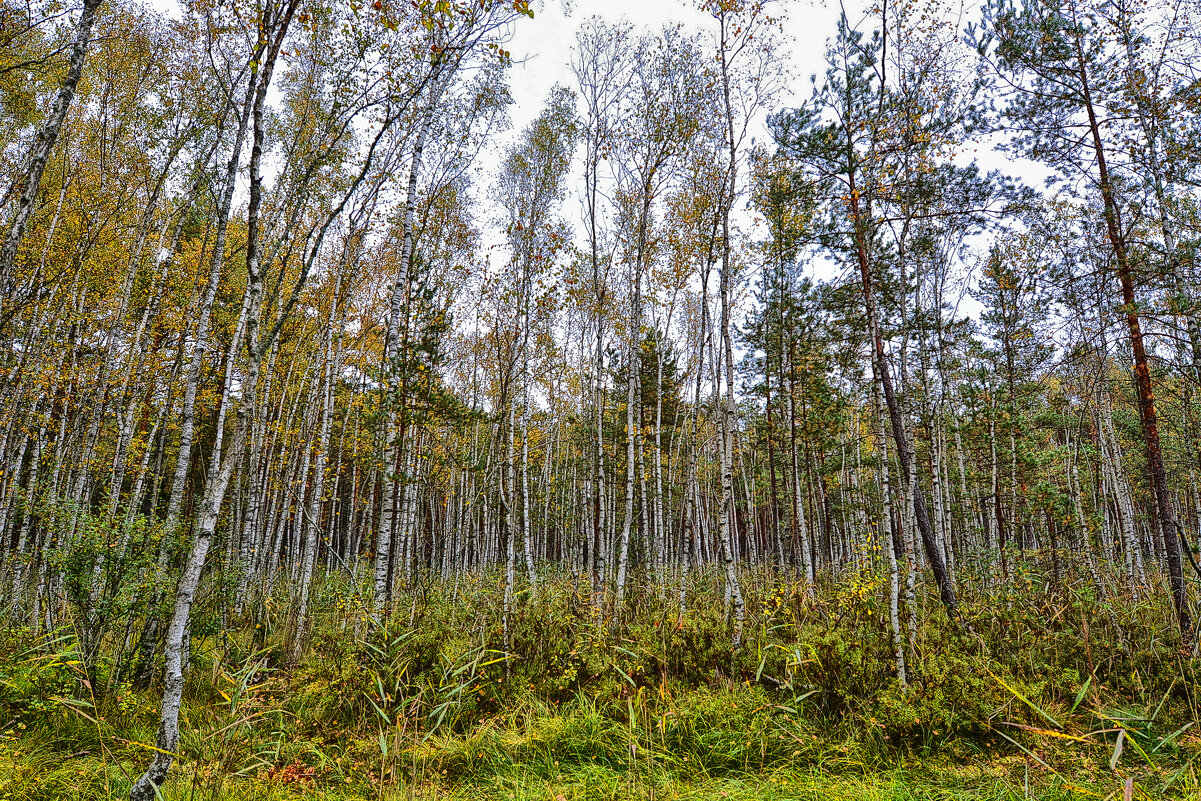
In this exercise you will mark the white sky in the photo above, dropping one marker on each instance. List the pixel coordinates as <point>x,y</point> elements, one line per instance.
<point>542,51</point>
<point>543,44</point>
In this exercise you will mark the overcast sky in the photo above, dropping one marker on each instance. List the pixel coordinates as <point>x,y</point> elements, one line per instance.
<point>542,51</point>
<point>543,44</point>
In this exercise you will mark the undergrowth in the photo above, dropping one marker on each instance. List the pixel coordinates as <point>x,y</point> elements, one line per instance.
<point>1028,696</point>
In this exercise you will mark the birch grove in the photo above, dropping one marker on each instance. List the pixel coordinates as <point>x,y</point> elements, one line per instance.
<point>285,300</point>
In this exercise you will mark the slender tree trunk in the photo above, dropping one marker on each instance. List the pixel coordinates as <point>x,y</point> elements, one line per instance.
<point>800,525</point>
<point>527,531</point>
<point>397,323</point>
<point>892,547</point>
<point>946,588</point>
<point>146,787</point>
<point>1142,373</point>
<point>312,523</point>
<point>30,179</point>
<point>633,417</point>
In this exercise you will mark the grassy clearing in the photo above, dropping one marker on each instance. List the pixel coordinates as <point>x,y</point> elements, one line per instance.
<point>1026,705</point>
<point>554,757</point>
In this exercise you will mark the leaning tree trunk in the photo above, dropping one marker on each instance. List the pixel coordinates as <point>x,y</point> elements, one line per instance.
<point>946,589</point>
<point>1148,415</point>
<point>187,420</point>
<point>35,163</point>
<point>147,786</point>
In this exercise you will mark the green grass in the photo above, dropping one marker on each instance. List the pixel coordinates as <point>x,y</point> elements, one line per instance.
<point>723,743</point>
<point>1022,707</point>
<point>548,758</point>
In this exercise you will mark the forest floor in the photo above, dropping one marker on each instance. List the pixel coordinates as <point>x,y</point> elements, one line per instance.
<point>522,764</point>
<point>1055,699</point>
<point>83,777</point>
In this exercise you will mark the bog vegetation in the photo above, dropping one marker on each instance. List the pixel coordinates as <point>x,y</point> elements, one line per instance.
<point>354,445</point>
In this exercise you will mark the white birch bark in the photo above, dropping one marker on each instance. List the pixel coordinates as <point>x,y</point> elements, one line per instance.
<point>890,545</point>
<point>147,786</point>
<point>396,324</point>
<point>29,181</point>
<point>633,365</point>
<point>312,525</point>
<point>798,498</point>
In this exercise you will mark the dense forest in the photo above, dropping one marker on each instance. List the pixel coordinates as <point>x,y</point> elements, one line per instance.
<point>354,439</point>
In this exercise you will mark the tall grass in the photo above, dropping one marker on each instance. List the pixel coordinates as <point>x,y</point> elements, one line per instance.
<point>1036,697</point>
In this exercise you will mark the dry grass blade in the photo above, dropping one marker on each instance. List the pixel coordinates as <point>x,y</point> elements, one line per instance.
<point>1117,749</point>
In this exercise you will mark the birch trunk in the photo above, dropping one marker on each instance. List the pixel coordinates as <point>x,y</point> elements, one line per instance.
<point>633,366</point>
<point>892,546</point>
<point>397,323</point>
<point>147,786</point>
<point>29,182</point>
